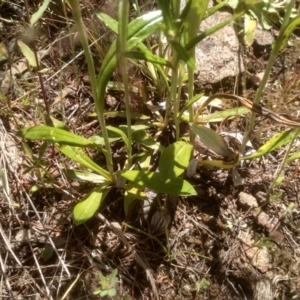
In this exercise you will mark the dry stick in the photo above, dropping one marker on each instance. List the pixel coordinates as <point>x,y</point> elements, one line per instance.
<point>36,212</point>
<point>46,232</point>
<point>6,279</point>
<point>6,242</point>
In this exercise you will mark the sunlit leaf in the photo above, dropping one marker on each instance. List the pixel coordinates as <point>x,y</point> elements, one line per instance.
<point>249,29</point>
<point>121,134</point>
<point>51,121</point>
<point>87,207</point>
<point>78,155</point>
<point>131,194</point>
<point>153,181</point>
<point>212,30</point>
<point>28,53</point>
<point>36,16</point>
<point>190,103</point>
<point>219,163</point>
<point>111,23</point>
<point>174,160</point>
<point>168,16</point>
<point>194,17</point>
<point>148,57</point>
<point>138,30</point>
<point>221,115</point>
<point>99,140</point>
<point>84,176</point>
<point>294,23</point>
<point>212,140</point>
<point>54,135</point>
<point>293,156</point>
<point>274,143</point>
<point>140,136</point>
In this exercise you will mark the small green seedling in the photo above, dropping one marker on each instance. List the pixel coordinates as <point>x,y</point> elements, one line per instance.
<point>107,284</point>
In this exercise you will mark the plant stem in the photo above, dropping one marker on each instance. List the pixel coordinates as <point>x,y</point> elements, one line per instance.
<point>273,56</point>
<point>88,56</point>
<point>122,40</point>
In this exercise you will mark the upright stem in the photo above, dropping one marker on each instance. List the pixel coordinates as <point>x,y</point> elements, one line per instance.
<point>88,56</point>
<point>122,40</point>
<point>274,54</point>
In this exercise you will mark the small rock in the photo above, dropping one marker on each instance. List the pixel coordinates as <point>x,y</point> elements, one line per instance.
<point>263,37</point>
<point>261,197</point>
<point>247,201</point>
<point>259,257</point>
<point>264,220</point>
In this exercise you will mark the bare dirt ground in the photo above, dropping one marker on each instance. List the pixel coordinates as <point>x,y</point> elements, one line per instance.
<point>228,242</point>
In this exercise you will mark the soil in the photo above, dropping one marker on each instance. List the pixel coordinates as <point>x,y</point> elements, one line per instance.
<point>229,242</point>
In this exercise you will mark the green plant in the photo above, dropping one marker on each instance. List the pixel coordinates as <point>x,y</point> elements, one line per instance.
<point>107,284</point>
<point>168,70</point>
<point>71,145</point>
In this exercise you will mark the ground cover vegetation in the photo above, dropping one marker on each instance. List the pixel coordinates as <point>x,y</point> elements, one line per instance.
<point>121,179</point>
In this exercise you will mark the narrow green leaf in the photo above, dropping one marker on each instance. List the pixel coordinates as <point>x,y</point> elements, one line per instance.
<point>159,69</point>
<point>293,156</point>
<point>36,16</point>
<point>194,17</point>
<point>274,143</point>
<point>138,30</point>
<point>190,103</point>
<point>85,209</point>
<point>212,140</point>
<point>153,181</point>
<point>221,115</point>
<point>140,136</point>
<point>212,30</point>
<point>99,140</point>
<point>55,135</point>
<point>294,23</point>
<point>111,23</point>
<point>121,134</point>
<point>174,160</point>
<point>168,15</point>
<point>78,155</point>
<point>28,53</point>
<point>84,176</point>
<point>148,57</point>
<point>210,11</point>
<point>119,86</point>
<point>184,55</point>
<point>51,121</point>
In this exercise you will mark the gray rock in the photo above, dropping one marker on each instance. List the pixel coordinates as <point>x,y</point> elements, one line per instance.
<point>247,201</point>
<point>218,56</point>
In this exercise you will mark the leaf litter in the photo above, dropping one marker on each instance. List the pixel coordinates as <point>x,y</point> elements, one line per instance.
<point>209,246</point>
